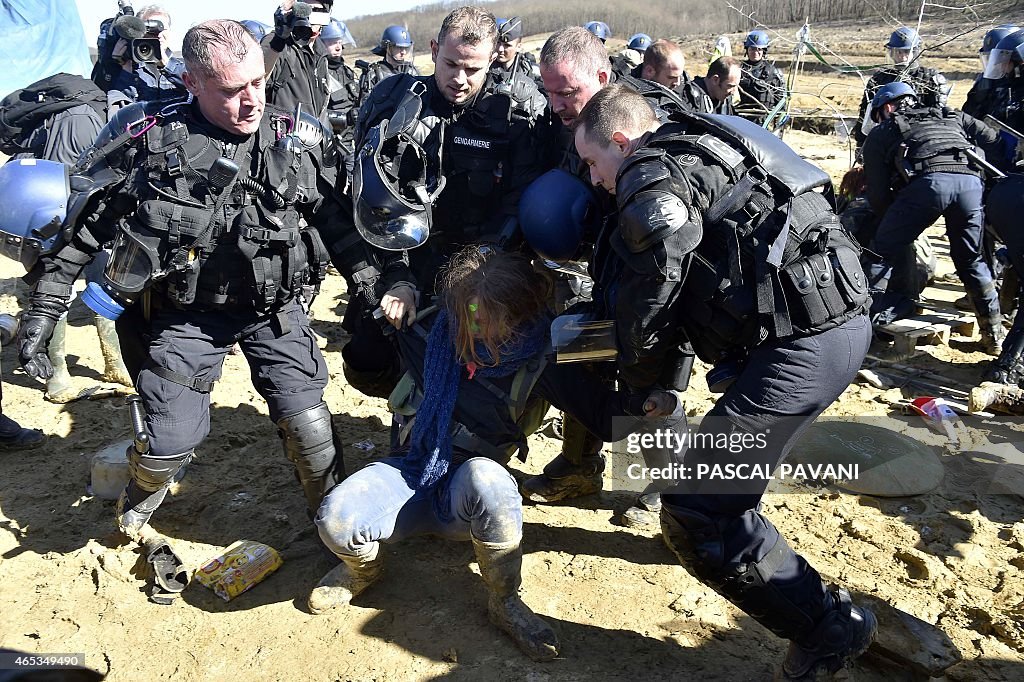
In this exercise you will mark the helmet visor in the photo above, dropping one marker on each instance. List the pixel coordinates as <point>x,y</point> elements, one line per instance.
<point>901,55</point>
<point>1000,64</point>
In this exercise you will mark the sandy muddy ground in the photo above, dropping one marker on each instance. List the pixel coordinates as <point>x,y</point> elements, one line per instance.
<point>621,606</point>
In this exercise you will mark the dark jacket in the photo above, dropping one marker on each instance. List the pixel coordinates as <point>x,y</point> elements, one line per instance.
<point>929,84</point>
<point>300,76</point>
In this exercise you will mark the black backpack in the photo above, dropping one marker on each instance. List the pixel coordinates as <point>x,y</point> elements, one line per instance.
<point>22,111</point>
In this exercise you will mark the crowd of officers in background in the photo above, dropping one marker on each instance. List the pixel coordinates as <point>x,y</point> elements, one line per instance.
<point>467,155</point>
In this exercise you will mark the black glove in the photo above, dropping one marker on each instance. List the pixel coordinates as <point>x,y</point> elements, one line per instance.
<point>33,339</point>
<point>282,24</point>
<point>34,335</point>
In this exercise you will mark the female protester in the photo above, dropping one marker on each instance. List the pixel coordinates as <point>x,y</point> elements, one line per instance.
<point>487,341</point>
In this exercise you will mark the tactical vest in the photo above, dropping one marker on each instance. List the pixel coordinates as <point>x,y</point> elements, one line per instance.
<point>774,261</point>
<point>933,140</point>
<point>237,246</point>
<point>481,401</point>
<point>761,83</point>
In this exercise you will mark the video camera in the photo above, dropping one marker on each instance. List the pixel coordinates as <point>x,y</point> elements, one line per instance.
<point>146,50</point>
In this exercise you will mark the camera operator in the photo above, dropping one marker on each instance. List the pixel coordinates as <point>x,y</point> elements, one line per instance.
<point>135,58</point>
<point>296,61</point>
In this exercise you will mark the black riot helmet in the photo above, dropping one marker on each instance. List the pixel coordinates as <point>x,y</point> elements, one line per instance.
<point>395,182</point>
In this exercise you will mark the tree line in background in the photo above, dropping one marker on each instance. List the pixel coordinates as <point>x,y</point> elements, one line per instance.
<point>662,18</point>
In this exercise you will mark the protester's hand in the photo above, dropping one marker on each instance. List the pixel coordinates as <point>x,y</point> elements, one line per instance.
<point>660,404</point>
<point>33,339</point>
<point>399,305</point>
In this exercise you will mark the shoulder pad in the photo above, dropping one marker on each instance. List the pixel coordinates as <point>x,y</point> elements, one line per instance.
<point>652,215</point>
<point>642,169</point>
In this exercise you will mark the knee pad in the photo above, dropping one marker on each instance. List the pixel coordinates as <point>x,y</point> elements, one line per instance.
<point>152,472</point>
<point>309,443</point>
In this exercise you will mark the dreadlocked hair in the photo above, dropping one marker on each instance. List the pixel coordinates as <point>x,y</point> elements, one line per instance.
<point>504,287</point>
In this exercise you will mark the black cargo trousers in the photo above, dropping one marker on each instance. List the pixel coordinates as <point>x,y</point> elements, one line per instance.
<point>182,355</point>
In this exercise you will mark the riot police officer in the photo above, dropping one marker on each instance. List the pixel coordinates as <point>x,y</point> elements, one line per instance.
<point>574,65</point>
<point>296,61</point>
<point>441,163</point>
<point>599,29</point>
<point>990,95</point>
<point>511,55</point>
<point>341,108</point>
<point>631,57</point>
<point>917,161</point>
<point>719,231</point>
<point>395,51</point>
<point>712,94</point>
<point>762,86</point>
<point>205,200</point>
<point>904,51</point>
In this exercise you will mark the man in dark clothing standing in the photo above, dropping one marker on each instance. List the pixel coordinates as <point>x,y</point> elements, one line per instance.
<point>296,62</point>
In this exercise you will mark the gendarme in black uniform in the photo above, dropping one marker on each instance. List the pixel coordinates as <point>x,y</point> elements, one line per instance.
<point>762,87</point>
<point>703,244</point>
<point>929,84</point>
<point>247,260</point>
<point>493,148</point>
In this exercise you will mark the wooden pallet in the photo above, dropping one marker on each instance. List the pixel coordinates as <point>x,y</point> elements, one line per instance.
<point>929,327</point>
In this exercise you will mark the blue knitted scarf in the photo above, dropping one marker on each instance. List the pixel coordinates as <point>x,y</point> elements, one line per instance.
<point>430,447</point>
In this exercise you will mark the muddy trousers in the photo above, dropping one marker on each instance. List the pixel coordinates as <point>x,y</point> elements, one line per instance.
<point>479,500</point>
<point>714,527</point>
<point>185,355</point>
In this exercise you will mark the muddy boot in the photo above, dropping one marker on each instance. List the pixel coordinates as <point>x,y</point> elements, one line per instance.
<point>992,335</point>
<point>346,581</point>
<point>151,479</point>
<point>114,369</point>
<point>645,513</point>
<point>997,397</point>
<point>563,480</point>
<point>501,568</point>
<point>840,637</point>
<point>58,387</point>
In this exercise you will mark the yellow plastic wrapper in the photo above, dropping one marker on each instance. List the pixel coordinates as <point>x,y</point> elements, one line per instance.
<point>241,566</point>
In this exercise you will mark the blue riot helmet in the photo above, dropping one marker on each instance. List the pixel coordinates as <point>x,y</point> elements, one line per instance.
<point>758,39</point>
<point>337,30</point>
<point>904,45</point>
<point>34,197</point>
<point>888,93</point>
<point>257,28</point>
<point>639,42</point>
<point>393,36</point>
<point>1006,56</point>
<point>556,211</point>
<point>393,191</point>
<point>599,29</point>
<point>992,38</point>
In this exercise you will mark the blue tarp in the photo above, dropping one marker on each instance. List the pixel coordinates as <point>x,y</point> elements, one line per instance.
<point>39,38</point>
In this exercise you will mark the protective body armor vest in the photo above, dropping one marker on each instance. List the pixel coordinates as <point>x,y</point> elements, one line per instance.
<point>492,418</point>
<point>934,141</point>
<point>761,84</point>
<point>773,260</point>
<point>237,246</point>
<point>476,143</point>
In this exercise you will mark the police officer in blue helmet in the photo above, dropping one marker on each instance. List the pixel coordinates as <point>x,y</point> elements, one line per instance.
<point>34,201</point>
<point>395,51</point>
<point>762,86</point>
<point>258,29</point>
<point>903,50</point>
<point>344,86</point>
<point>599,29</point>
<point>919,166</point>
<point>991,92</point>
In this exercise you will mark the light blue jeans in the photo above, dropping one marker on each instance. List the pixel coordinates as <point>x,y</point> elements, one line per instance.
<point>375,504</point>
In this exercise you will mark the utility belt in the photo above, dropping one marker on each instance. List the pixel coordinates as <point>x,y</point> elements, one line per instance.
<point>954,161</point>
